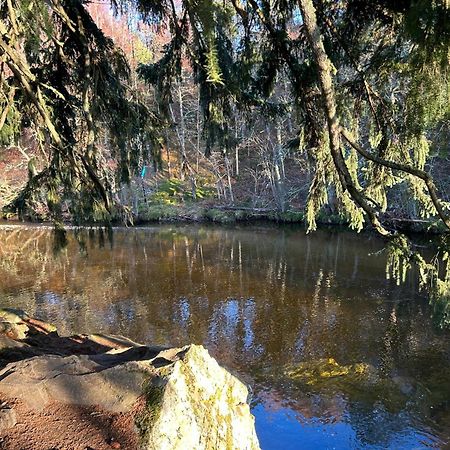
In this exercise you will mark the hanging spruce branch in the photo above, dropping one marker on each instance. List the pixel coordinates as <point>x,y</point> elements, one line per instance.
<point>63,79</point>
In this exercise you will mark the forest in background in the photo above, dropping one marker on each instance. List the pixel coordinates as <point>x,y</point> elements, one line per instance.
<point>258,155</point>
<point>267,171</point>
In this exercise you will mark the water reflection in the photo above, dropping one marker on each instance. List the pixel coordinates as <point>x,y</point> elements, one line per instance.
<point>262,299</point>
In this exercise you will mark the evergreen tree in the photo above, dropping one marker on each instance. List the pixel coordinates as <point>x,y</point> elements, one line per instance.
<point>62,78</point>
<point>372,72</point>
<point>379,70</point>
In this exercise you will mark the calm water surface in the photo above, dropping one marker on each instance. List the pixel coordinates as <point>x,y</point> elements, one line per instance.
<point>338,357</point>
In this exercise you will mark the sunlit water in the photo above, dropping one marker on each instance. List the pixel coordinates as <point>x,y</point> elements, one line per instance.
<point>265,301</point>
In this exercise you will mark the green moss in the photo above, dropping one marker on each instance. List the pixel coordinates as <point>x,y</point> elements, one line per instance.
<point>157,212</point>
<point>220,216</point>
<point>357,381</point>
<point>145,420</point>
<point>162,198</point>
<point>175,192</point>
<point>207,408</point>
<point>292,216</point>
<point>313,373</point>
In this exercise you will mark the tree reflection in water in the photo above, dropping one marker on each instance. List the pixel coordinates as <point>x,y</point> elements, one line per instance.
<point>261,299</point>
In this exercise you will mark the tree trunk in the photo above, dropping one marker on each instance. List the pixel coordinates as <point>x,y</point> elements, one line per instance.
<point>326,84</point>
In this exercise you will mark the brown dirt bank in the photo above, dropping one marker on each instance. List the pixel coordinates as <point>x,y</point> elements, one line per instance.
<point>68,427</point>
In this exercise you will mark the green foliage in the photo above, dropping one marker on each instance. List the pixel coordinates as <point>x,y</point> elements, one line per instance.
<point>142,53</point>
<point>318,191</point>
<point>292,216</point>
<point>173,191</point>
<point>11,128</point>
<point>220,216</point>
<point>434,276</point>
<point>440,301</point>
<point>64,79</point>
<point>172,187</point>
<point>163,198</point>
<point>160,212</point>
<point>391,78</point>
<point>399,260</point>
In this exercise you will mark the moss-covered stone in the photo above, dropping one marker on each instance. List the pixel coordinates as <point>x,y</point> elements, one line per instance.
<point>312,373</point>
<point>190,402</point>
<point>203,407</point>
<point>146,418</point>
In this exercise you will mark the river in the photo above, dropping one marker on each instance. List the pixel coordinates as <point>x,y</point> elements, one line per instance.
<point>338,356</point>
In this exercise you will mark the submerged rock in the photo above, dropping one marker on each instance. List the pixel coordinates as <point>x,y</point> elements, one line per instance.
<point>359,382</point>
<point>189,401</point>
<point>313,372</point>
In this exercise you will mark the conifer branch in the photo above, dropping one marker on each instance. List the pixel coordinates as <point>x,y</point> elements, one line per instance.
<point>324,73</point>
<point>428,180</point>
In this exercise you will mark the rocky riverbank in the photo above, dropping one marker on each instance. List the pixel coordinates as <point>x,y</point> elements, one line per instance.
<point>101,392</point>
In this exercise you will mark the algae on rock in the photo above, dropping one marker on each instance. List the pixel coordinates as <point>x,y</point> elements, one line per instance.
<point>314,372</point>
<point>203,407</point>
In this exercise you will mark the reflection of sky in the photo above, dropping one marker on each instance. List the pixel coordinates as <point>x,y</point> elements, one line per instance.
<point>185,313</point>
<point>282,429</point>
<point>231,311</point>
<point>287,430</point>
<point>248,321</point>
<point>51,298</point>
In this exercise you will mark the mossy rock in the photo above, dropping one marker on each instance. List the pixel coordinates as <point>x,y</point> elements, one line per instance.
<point>198,405</point>
<point>358,381</point>
<point>314,372</point>
<point>145,419</point>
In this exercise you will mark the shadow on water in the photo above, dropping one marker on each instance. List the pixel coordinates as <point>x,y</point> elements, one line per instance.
<point>338,356</point>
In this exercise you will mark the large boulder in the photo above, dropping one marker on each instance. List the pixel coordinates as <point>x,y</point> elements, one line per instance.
<point>187,401</point>
<point>76,380</point>
<point>197,404</point>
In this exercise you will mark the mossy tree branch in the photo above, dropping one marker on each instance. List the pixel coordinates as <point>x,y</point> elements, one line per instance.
<point>329,102</point>
<point>426,177</point>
